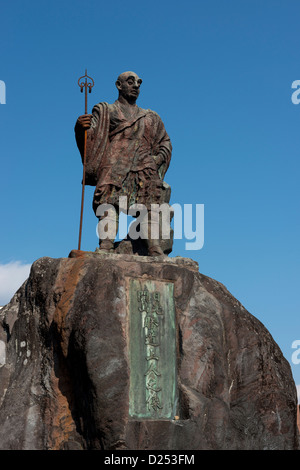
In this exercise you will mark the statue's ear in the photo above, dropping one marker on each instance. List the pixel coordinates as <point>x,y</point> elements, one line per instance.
<point>118,85</point>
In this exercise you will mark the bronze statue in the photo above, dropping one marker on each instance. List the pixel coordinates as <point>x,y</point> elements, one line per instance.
<point>128,152</point>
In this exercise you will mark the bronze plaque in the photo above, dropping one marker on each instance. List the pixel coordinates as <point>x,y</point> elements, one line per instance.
<point>152,350</point>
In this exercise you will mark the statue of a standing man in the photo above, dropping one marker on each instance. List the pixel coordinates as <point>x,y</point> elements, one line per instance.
<point>128,153</point>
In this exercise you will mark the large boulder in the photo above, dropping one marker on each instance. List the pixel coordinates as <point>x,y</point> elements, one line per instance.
<point>65,368</point>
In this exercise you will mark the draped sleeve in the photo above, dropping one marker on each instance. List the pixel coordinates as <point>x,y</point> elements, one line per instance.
<point>161,143</point>
<point>97,142</point>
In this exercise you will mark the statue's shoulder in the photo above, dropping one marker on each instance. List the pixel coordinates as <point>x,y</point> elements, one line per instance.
<point>150,113</point>
<point>101,109</point>
<point>102,105</point>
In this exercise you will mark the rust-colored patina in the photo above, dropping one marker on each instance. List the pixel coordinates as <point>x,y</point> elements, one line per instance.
<point>63,425</point>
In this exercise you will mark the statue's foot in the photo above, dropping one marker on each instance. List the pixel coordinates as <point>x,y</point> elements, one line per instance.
<point>155,251</point>
<point>107,246</point>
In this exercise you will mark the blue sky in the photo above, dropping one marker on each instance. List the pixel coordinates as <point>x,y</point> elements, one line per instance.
<point>219,73</point>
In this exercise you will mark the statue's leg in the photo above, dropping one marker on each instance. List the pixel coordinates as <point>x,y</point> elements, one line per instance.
<point>107,229</point>
<point>150,227</point>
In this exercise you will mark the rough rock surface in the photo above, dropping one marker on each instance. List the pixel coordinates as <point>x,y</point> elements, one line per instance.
<point>64,375</point>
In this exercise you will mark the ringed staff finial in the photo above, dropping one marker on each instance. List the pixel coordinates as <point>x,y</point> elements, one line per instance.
<point>85,82</point>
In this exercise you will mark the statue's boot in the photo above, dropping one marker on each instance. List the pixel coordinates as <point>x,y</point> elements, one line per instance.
<point>154,249</point>
<point>106,245</point>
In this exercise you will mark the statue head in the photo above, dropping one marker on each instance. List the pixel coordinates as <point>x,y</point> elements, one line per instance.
<point>128,84</point>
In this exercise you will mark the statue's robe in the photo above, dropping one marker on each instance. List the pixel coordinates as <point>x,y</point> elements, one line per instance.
<point>119,157</point>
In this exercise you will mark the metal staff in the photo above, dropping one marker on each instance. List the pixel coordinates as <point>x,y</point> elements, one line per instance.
<point>87,85</point>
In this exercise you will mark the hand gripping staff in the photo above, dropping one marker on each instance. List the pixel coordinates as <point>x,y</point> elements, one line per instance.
<point>85,82</point>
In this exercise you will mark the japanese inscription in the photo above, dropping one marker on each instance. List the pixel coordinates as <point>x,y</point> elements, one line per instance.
<point>152,350</point>
<point>151,310</point>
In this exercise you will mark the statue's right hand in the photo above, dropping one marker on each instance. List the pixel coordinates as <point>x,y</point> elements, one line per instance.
<point>85,121</point>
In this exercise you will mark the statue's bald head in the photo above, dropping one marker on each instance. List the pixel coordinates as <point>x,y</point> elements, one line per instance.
<point>128,84</point>
<point>125,75</point>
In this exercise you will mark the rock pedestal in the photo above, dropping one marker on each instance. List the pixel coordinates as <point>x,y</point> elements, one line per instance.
<point>102,351</point>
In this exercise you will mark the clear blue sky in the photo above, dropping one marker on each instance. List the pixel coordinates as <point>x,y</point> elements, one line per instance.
<point>219,73</point>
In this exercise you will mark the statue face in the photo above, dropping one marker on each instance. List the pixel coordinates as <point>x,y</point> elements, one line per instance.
<point>128,85</point>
